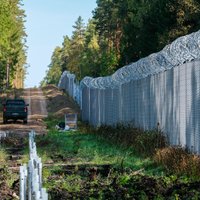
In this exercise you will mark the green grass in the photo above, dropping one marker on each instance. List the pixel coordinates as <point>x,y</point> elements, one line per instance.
<point>6,175</point>
<point>81,148</point>
<point>3,156</point>
<point>132,171</point>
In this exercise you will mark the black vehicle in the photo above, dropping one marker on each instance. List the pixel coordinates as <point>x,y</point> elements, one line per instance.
<point>15,109</point>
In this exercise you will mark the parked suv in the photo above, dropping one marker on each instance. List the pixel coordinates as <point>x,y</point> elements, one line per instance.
<point>15,109</point>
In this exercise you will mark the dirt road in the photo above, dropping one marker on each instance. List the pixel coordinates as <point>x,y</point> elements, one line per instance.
<point>36,112</point>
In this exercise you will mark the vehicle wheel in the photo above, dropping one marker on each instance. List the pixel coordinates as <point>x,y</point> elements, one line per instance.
<point>25,121</point>
<point>4,120</point>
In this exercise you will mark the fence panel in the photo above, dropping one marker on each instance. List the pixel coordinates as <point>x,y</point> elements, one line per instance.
<point>162,90</point>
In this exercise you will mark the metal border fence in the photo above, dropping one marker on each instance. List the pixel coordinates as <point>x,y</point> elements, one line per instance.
<point>167,93</point>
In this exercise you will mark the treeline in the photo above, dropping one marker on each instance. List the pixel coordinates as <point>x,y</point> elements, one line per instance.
<point>121,32</point>
<point>12,44</point>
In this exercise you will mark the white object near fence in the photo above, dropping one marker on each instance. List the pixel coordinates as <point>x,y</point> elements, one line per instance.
<point>32,175</point>
<point>3,134</point>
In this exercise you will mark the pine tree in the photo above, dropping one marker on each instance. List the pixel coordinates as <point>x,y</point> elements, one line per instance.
<point>12,43</point>
<point>77,45</point>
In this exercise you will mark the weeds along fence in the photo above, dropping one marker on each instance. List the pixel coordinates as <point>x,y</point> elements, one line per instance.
<point>162,90</point>
<point>31,176</point>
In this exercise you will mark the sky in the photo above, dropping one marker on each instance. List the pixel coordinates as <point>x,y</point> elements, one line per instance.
<point>47,21</point>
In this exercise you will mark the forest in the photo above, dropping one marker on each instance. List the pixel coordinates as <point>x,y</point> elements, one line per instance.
<point>121,32</point>
<point>12,44</point>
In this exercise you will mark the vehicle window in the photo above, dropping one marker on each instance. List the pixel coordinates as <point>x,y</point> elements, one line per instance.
<point>20,102</point>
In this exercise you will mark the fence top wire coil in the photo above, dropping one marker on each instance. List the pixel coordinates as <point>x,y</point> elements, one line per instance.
<point>182,50</point>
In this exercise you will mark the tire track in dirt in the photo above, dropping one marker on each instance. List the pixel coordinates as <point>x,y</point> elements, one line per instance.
<point>37,104</point>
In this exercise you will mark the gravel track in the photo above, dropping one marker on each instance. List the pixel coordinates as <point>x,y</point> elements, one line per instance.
<point>36,113</point>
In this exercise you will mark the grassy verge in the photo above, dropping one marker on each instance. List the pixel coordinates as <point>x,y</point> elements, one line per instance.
<point>82,148</point>
<point>107,163</point>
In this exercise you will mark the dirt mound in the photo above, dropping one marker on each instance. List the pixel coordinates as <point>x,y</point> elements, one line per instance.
<point>59,102</point>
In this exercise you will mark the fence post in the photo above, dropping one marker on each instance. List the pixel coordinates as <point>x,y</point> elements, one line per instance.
<point>35,190</point>
<point>23,182</point>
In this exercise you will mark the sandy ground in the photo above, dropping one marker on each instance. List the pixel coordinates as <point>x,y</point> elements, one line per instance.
<point>36,112</point>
